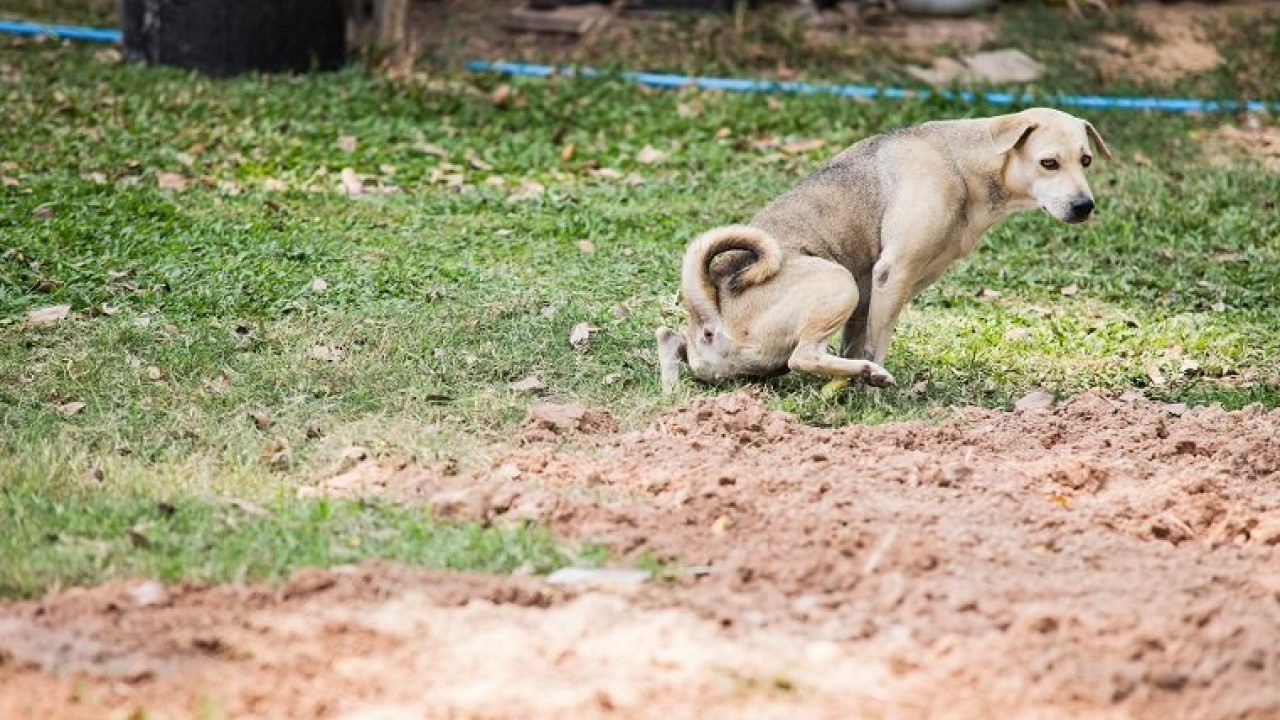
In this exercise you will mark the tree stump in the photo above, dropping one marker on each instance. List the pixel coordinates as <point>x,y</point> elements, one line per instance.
<point>227,37</point>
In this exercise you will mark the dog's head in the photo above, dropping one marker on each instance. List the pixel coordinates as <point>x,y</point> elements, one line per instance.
<point>1046,154</point>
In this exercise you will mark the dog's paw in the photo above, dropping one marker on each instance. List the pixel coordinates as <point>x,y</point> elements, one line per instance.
<point>879,377</point>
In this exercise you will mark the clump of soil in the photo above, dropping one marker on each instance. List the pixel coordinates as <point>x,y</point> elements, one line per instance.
<point>1109,556</point>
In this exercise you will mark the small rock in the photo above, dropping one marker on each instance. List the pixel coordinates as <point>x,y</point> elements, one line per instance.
<point>319,285</point>
<point>47,315</point>
<point>468,503</point>
<point>1033,401</point>
<point>599,576</point>
<point>350,457</point>
<point>148,594</point>
<point>580,336</point>
<point>558,419</point>
<point>1170,680</point>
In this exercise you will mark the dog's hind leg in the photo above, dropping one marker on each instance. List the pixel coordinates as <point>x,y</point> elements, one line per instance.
<point>813,357</point>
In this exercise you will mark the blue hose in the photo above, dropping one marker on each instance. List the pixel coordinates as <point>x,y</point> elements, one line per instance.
<point>660,80</point>
<point>1180,105</point>
<point>61,32</point>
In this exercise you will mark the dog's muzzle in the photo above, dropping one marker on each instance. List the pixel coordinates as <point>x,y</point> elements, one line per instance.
<point>1080,209</point>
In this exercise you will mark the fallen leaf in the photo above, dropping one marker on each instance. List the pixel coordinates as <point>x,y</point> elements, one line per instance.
<point>1157,377</point>
<point>218,385</point>
<point>721,526</point>
<point>276,456</point>
<point>9,181</point>
<point>154,373</point>
<point>500,95</point>
<point>988,294</point>
<point>109,56</point>
<point>1141,158</point>
<point>274,185</point>
<point>566,152</point>
<point>47,315</point>
<point>386,169</point>
<point>607,173</point>
<point>44,212</point>
<point>586,247</point>
<point>347,143</point>
<point>529,189</point>
<point>796,147</point>
<point>350,183</point>
<point>324,353</point>
<point>1061,501</point>
<point>685,110</point>
<point>723,133</point>
<point>650,155</point>
<point>495,181</point>
<point>478,162</point>
<point>71,408</point>
<point>109,310</point>
<point>432,149</point>
<point>1189,367</point>
<point>95,177</point>
<point>171,181</point>
<point>580,336</point>
<point>833,388</point>
<point>1070,290</point>
<point>531,384</point>
<point>319,285</point>
<point>185,159</point>
<point>261,419</point>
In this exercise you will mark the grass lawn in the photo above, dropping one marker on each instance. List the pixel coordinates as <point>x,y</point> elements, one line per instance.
<point>213,271</point>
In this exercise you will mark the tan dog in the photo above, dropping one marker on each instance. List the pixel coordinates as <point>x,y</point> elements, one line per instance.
<point>853,243</point>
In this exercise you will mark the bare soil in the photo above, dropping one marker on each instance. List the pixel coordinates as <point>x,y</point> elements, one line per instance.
<point>1107,557</point>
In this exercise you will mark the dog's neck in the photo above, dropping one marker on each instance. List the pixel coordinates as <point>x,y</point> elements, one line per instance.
<point>990,198</point>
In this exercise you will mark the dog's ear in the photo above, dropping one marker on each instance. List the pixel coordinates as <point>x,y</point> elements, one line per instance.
<point>1099,144</point>
<point>1011,131</point>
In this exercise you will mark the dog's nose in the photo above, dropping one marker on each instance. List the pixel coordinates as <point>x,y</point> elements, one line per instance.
<point>1080,208</point>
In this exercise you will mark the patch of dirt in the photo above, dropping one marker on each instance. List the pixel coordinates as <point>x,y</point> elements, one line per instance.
<point>1106,557</point>
<point>1254,143</point>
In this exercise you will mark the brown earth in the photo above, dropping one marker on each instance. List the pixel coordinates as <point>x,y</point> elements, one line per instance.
<point>1108,557</point>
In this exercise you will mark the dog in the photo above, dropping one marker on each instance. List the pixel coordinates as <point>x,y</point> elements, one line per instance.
<point>858,239</point>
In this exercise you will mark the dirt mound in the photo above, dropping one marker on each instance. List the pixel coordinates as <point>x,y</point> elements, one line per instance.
<point>1109,556</point>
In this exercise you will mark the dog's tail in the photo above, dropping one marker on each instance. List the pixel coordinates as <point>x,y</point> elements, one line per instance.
<point>700,293</point>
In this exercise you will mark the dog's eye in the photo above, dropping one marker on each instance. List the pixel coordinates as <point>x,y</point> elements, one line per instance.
<point>1049,164</point>
<point>1086,160</point>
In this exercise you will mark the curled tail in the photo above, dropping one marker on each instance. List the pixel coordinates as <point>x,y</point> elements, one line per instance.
<point>700,293</point>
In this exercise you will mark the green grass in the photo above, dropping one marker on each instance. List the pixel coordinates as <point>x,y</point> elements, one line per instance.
<point>437,299</point>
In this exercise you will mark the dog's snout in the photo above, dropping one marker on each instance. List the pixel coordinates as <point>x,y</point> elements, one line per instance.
<point>1081,208</point>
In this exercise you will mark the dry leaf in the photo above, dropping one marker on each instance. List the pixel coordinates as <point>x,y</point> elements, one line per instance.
<point>1061,501</point>
<point>580,336</point>
<point>1157,377</point>
<point>109,310</point>
<point>324,353</point>
<point>274,185</point>
<point>97,178</point>
<point>529,189</point>
<point>171,181</point>
<point>261,419</point>
<point>347,143</point>
<point>685,110</point>
<point>350,183</point>
<point>477,162</point>
<point>500,95</point>
<point>186,159</point>
<point>109,56</point>
<point>586,247</point>
<point>386,169</point>
<point>432,149</point>
<point>531,384</point>
<point>988,294</point>
<point>44,212</point>
<point>796,147</point>
<point>71,408</point>
<point>1141,158</point>
<point>1070,290</point>
<point>154,373</point>
<point>1189,367</point>
<point>495,181</point>
<point>566,152</point>
<point>47,315</point>
<point>218,385</point>
<point>650,155</point>
<point>723,133</point>
<point>607,173</point>
<point>721,525</point>
<point>319,285</point>
<point>9,181</point>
